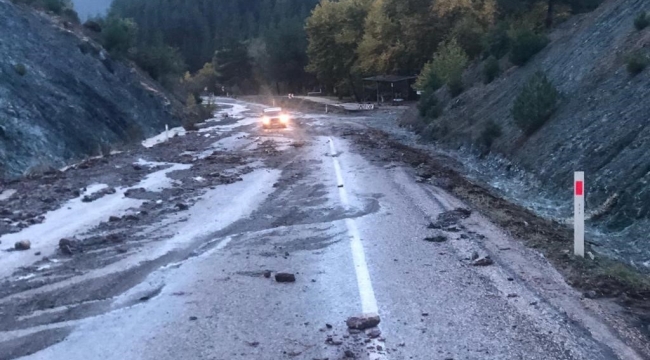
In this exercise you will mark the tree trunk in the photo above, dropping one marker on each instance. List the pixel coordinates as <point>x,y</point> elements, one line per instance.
<point>353,88</point>
<point>549,14</point>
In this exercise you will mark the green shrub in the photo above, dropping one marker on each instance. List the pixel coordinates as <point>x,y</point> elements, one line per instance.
<point>468,32</point>
<point>582,6</point>
<point>428,106</point>
<point>490,133</point>
<point>525,44</point>
<point>71,16</point>
<point>20,69</point>
<point>535,104</point>
<point>428,80</point>
<point>497,41</point>
<point>119,35</point>
<point>447,65</point>
<point>637,62</point>
<point>642,21</point>
<point>455,87</point>
<point>163,63</point>
<point>55,6</point>
<point>491,69</point>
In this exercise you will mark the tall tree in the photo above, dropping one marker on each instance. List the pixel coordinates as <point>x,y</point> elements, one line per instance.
<point>334,30</point>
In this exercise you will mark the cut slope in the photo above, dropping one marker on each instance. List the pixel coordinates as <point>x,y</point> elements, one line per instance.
<point>601,126</point>
<point>70,98</point>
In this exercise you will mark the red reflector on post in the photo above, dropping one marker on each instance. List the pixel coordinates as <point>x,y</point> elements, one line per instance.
<point>580,188</point>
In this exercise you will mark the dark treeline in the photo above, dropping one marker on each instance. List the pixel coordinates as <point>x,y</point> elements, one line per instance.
<point>252,44</point>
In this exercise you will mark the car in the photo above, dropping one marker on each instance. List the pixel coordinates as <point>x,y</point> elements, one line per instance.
<point>274,118</point>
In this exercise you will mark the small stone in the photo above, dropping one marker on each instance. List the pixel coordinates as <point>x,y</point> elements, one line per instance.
<point>182,207</point>
<point>137,167</point>
<point>374,333</point>
<point>67,246</point>
<point>38,253</point>
<point>511,279</point>
<point>122,250</point>
<point>329,326</point>
<point>131,217</point>
<point>380,348</point>
<point>114,219</point>
<point>436,239</point>
<point>513,295</point>
<point>533,303</point>
<point>267,274</point>
<point>23,245</point>
<point>402,344</point>
<point>285,277</point>
<point>193,318</point>
<point>350,354</point>
<point>425,314</point>
<point>363,322</point>
<point>590,294</point>
<point>484,261</point>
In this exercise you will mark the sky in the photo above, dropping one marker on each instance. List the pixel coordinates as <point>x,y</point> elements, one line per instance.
<point>86,8</point>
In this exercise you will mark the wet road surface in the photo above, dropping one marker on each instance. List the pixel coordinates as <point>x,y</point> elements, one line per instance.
<point>360,236</point>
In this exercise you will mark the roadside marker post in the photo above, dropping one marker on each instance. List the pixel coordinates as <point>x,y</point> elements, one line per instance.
<point>579,214</point>
<point>166,131</point>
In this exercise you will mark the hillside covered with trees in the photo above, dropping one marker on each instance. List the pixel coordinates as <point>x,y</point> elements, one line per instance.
<point>251,43</point>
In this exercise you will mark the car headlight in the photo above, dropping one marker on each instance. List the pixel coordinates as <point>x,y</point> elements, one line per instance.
<point>266,120</point>
<point>284,118</point>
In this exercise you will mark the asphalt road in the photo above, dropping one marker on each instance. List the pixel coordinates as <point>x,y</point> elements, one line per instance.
<point>353,231</point>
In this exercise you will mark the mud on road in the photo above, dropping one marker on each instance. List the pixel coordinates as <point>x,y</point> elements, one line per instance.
<point>99,229</point>
<point>596,278</point>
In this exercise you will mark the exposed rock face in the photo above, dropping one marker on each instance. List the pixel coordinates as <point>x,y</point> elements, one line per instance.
<point>601,127</point>
<point>61,95</point>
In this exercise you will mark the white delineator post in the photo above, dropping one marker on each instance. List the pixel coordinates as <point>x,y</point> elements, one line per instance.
<point>579,214</point>
<point>166,132</point>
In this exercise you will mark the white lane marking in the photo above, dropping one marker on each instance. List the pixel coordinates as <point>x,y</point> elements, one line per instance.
<point>368,300</point>
<point>364,283</point>
<point>339,177</point>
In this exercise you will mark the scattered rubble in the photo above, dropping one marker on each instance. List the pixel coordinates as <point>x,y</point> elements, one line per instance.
<point>436,238</point>
<point>484,261</point>
<point>69,247</point>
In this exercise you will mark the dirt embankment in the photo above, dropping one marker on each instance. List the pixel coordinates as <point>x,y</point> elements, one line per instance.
<point>597,278</point>
<point>600,127</point>
<point>62,96</point>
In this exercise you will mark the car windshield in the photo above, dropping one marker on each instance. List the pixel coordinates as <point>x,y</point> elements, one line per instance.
<point>272,113</point>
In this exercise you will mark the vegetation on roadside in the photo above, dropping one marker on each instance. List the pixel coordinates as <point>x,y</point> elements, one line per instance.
<point>490,132</point>
<point>63,8</point>
<point>636,62</point>
<point>20,69</point>
<point>535,104</point>
<point>491,69</point>
<point>642,21</point>
<point>448,65</point>
<point>526,43</point>
<point>261,43</point>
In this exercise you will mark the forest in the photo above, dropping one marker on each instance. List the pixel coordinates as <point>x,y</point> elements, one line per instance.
<point>252,44</point>
<point>280,46</point>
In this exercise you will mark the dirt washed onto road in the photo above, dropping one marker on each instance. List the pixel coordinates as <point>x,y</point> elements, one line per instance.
<point>89,226</point>
<point>596,278</point>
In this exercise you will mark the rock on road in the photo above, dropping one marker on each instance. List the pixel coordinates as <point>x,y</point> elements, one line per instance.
<point>272,265</point>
